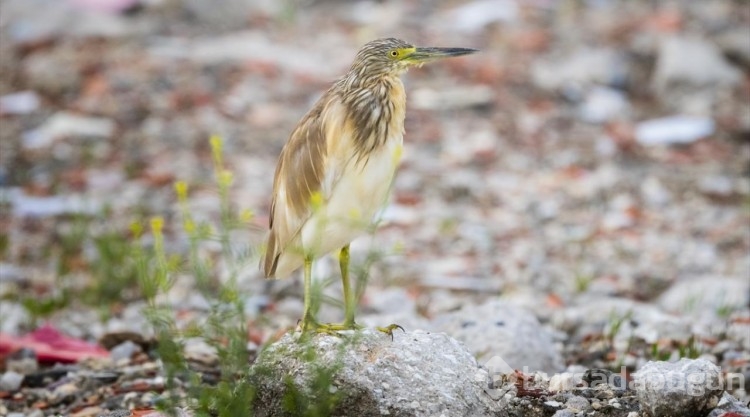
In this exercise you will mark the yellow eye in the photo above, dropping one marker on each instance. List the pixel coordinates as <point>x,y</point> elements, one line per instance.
<point>394,53</point>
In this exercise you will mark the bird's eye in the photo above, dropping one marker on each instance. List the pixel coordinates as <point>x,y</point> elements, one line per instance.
<point>393,53</point>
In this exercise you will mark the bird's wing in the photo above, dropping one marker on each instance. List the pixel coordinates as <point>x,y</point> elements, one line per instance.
<point>302,173</point>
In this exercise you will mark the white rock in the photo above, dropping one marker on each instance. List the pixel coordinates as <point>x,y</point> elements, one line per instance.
<point>25,205</point>
<point>447,97</point>
<point>64,124</point>
<point>496,329</point>
<point>11,381</point>
<point>582,68</point>
<point>706,296</point>
<point>602,104</point>
<point>673,130</point>
<point>716,185</point>
<point>688,388</point>
<point>427,374</point>
<point>693,61</point>
<point>565,381</point>
<point>22,102</point>
<point>654,192</point>
<point>474,16</point>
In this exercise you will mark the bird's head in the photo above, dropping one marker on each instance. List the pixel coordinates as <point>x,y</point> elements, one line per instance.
<point>390,56</point>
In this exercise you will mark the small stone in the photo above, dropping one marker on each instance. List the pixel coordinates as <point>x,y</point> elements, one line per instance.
<point>124,351</point>
<point>565,381</point>
<point>673,130</point>
<point>66,124</point>
<point>496,329</point>
<point>577,404</point>
<point>730,407</point>
<point>689,388</point>
<point>694,62</point>
<point>22,102</point>
<point>22,361</point>
<point>11,381</point>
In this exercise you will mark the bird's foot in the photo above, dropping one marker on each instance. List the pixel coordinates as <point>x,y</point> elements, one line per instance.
<point>329,328</point>
<point>389,329</point>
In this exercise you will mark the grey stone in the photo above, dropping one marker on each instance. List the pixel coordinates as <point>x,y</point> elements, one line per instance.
<point>673,130</point>
<point>11,381</point>
<point>706,296</point>
<point>692,61</point>
<point>577,404</point>
<point>496,329</point>
<point>415,374</point>
<point>729,404</point>
<point>689,388</point>
<point>584,67</point>
<point>66,124</point>
<point>123,351</point>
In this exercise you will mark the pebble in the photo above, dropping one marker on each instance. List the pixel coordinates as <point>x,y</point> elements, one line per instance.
<point>689,388</point>
<point>603,104</point>
<point>66,124</point>
<point>124,351</point>
<point>11,381</point>
<point>711,295</point>
<point>22,102</point>
<point>474,16</point>
<point>692,60</point>
<point>673,130</point>
<point>583,67</point>
<point>495,329</point>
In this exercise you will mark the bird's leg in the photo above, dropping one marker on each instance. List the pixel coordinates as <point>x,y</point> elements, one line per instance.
<point>308,321</point>
<point>349,303</point>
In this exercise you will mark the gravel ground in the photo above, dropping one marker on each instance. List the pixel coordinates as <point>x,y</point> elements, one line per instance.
<point>589,167</point>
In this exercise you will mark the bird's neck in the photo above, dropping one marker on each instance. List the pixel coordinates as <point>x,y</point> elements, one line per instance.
<point>376,109</point>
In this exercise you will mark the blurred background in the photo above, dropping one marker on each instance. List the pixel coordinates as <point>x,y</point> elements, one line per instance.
<point>594,156</point>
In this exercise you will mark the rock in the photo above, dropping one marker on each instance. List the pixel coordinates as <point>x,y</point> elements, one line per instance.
<point>496,329</point>
<point>582,68</point>
<point>689,388</point>
<point>603,104</point>
<point>729,407</point>
<point>474,16</point>
<point>32,21</point>
<point>694,62</point>
<point>706,295</point>
<point>11,381</point>
<point>52,74</point>
<point>673,130</point>
<point>23,102</point>
<point>22,361</point>
<point>368,374</point>
<point>124,351</point>
<point>32,206</point>
<point>565,381</point>
<point>451,98</point>
<point>65,124</point>
<point>716,186</point>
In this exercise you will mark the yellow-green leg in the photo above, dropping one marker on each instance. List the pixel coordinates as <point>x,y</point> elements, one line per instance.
<point>308,321</point>
<point>349,303</point>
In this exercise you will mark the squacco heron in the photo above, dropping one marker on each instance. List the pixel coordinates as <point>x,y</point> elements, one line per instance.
<point>335,172</point>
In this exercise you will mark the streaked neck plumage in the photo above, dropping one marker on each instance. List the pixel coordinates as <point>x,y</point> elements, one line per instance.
<point>375,105</point>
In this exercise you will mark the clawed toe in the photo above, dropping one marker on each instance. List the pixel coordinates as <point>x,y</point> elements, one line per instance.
<point>389,329</point>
